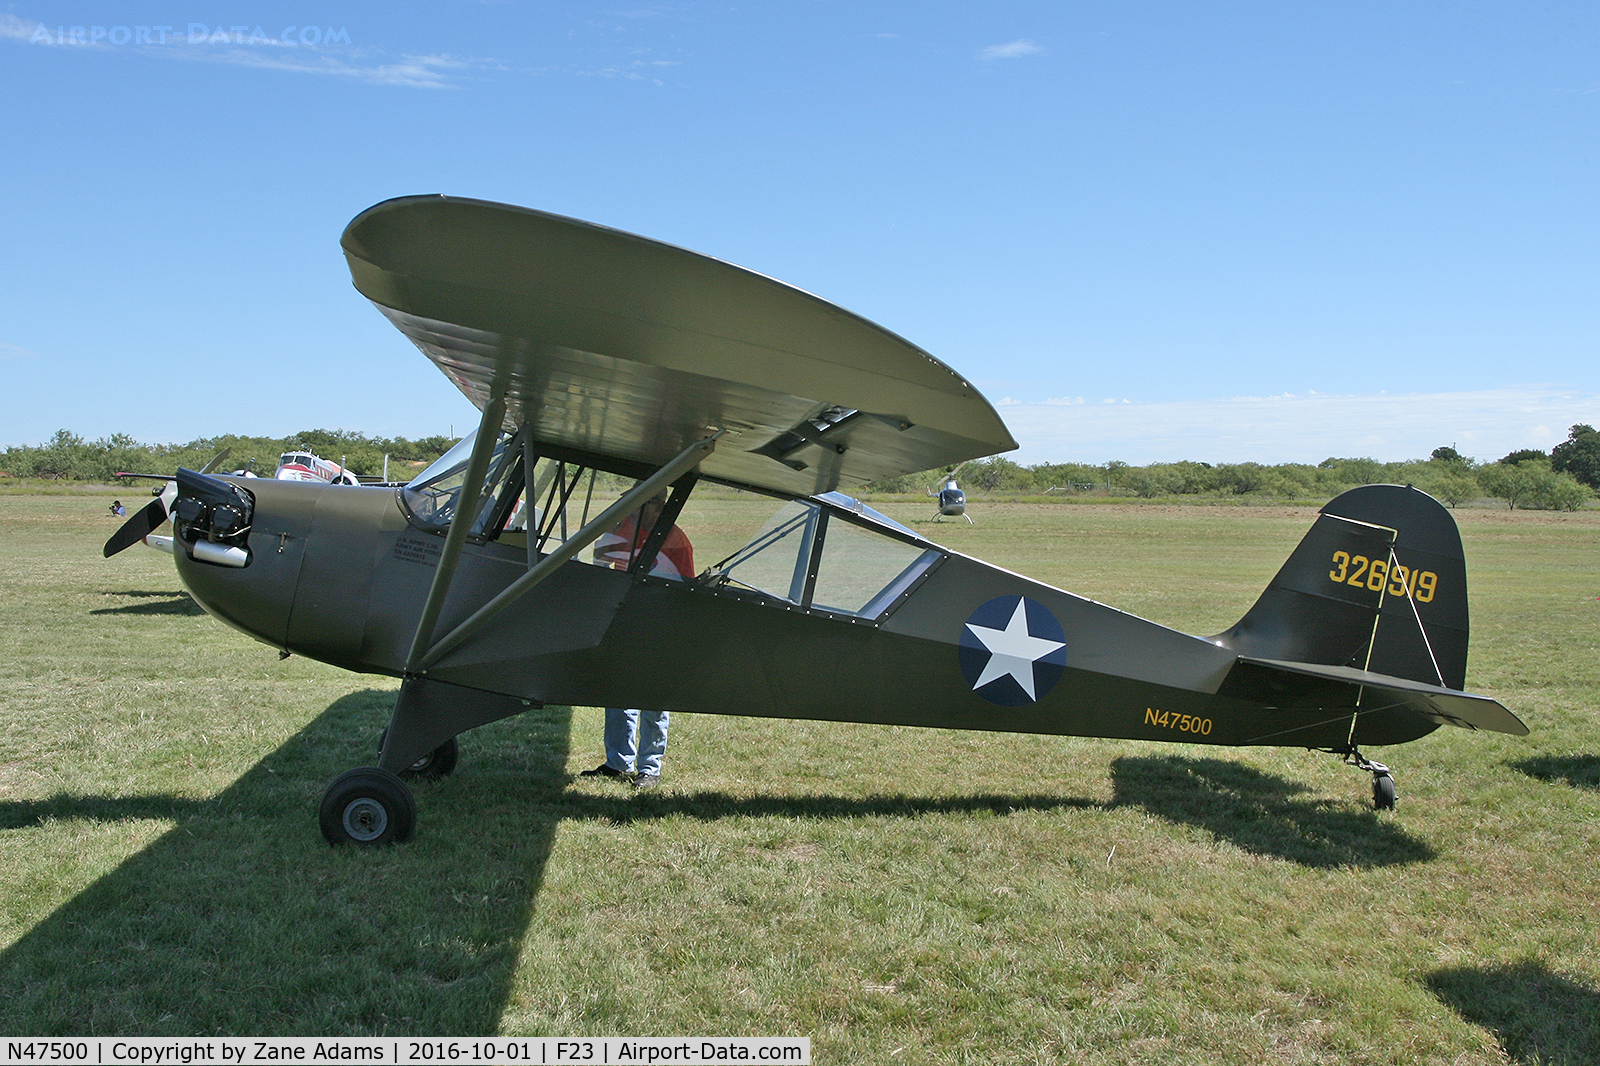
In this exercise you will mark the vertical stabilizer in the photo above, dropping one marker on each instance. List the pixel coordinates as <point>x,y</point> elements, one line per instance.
<point>1422,626</point>
<point>1379,584</point>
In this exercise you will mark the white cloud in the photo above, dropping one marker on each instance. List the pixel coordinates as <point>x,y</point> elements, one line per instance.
<point>1014,50</point>
<point>16,351</point>
<point>638,70</point>
<point>1485,424</point>
<point>15,29</point>
<point>413,72</point>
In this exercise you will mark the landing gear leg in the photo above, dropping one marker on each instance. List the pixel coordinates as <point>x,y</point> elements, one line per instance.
<point>1383,793</point>
<point>440,762</point>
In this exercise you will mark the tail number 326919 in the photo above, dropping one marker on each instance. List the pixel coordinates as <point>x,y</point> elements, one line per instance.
<point>1360,571</point>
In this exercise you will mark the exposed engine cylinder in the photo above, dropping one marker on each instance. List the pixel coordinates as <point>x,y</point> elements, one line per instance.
<point>211,518</point>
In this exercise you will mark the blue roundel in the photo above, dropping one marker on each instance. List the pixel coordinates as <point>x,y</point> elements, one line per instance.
<point>1013,651</point>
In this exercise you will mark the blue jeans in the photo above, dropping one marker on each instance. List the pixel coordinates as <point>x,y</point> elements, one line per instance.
<point>636,740</point>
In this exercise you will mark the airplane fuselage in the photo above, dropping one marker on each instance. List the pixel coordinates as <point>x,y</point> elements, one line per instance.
<point>341,575</point>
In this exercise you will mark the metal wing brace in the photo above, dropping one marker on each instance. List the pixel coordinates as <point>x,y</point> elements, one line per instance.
<point>425,651</point>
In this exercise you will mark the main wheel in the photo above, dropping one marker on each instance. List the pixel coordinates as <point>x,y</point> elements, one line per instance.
<point>1383,796</point>
<point>367,806</point>
<point>439,762</point>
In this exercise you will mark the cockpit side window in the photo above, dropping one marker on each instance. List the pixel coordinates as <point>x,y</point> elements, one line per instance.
<point>862,572</point>
<point>774,560</point>
<point>564,497</point>
<point>804,554</point>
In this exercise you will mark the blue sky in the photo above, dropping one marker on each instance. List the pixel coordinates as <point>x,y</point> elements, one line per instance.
<point>1147,231</point>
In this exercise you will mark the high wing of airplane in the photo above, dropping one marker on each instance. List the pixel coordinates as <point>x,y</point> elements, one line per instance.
<point>611,369</point>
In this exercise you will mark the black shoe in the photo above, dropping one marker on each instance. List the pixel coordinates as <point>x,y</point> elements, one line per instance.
<point>646,781</point>
<point>605,770</point>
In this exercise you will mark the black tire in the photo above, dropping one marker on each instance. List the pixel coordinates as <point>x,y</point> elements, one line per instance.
<point>1383,795</point>
<point>440,762</point>
<point>369,807</point>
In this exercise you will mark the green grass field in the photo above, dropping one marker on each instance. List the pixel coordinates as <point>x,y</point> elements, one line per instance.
<point>898,895</point>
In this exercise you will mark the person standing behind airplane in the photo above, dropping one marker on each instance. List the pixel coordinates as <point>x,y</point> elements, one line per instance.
<point>636,741</point>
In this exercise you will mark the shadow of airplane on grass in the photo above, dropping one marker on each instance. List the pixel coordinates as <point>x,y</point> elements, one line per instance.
<point>164,601</point>
<point>240,919</point>
<point>710,806</point>
<point>1579,771</point>
<point>1260,812</point>
<point>1539,1017</point>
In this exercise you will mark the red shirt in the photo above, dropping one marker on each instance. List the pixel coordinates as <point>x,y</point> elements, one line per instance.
<point>621,546</point>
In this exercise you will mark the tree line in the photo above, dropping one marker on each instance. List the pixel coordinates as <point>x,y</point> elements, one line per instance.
<point>68,456</point>
<point>1563,479</point>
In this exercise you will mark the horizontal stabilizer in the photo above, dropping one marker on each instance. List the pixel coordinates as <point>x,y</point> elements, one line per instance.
<point>1382,692</point>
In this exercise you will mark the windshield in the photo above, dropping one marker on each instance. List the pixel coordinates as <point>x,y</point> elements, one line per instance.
<point>456,456</point>
<point>564,498</point>
<point>431,495</point>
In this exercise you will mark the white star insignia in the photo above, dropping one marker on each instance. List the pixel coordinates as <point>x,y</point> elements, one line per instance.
<point>1012,650</point>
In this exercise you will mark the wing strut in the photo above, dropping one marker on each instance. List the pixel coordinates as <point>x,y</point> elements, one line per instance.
<point>494,413</point>
<point>602,523</point>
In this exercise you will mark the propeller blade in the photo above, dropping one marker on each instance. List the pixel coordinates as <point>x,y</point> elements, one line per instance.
<point>216,460</point>
<point>142,524</point>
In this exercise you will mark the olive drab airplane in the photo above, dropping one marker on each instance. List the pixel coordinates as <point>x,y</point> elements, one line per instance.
<point>611,370</point>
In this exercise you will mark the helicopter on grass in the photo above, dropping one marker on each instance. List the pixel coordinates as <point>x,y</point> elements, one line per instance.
<point>611,369</point>
<point>952,501</point>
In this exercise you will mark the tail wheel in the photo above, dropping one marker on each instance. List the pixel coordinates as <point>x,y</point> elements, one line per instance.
<point>369,807</point>
<point>1383,795</point>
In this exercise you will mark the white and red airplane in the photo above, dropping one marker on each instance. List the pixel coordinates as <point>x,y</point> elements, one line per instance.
<point>302,465</point>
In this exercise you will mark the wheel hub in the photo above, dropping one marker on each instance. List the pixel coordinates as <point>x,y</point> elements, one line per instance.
<point>365,819</point>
